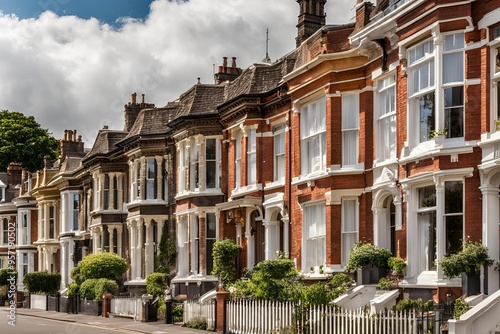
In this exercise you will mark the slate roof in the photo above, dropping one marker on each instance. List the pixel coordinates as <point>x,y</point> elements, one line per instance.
<point>105,142</point>
<point>150,122</point>
<point>201,99</point>
<point>260,78</point>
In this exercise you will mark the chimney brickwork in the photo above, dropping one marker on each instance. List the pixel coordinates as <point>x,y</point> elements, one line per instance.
<point>311,18</point>
<point>132,109</point>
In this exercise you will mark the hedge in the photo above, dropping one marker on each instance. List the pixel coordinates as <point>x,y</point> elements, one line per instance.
<point>103,265</point>
<point>94,288</point>
<point>42,282</point>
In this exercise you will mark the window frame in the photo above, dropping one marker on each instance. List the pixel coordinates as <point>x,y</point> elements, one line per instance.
<point>237,160</point>
<point>214,160</point>
<point>349,129</point>
<point>345,249</point>
<point>312,163</point>
<point>386,141</point>
<point>279,164</point>
<point>151,180</point>
<point>318,239</point>
<point>251,148</point>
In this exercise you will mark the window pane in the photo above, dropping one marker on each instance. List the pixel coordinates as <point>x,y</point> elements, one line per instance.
<point>454,233</point>
<point>211,153</point>
<point>427,226</point>
<point>453,195</point>
<point>454,42</point>
<point>211,225</point>
<point>453,67</point>
<point>427,197</point>
<point>426,112</point>
<point>211,174</point>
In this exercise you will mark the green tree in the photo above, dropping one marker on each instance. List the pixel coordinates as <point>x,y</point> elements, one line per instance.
<point>167,252</point>
<point>22,140</point>
<point>103,265</point>
<point>224,254</point>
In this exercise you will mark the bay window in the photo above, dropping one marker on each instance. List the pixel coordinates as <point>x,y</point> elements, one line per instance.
<point>349,227</point>
<point>385,99</point>
<point>313,136</point>
<point>279,153</point>
<point>198,166</point>
<point>350,129</point>
<point>251,157</point>
<point>436,93</point>
<point>314,236</point>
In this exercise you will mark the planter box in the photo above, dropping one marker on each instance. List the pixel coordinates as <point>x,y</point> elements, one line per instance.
<point>372,274</point>
<point>53,303</point>
<point>471,283</point>
<point>91,307</point>
<point>68,304</point>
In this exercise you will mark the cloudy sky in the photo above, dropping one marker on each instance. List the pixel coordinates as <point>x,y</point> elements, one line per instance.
<point>73,64</point>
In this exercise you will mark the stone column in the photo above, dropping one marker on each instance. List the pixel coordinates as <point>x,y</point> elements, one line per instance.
<point>71,258</point>
<point>143,179</point>
<point>40,259</point>
<point>138,248</point>
<point>286,235</point>
<point>132,245</point>
<point>119,186</point>
<point>250,245</point>
<point>490,233</point>
<point>41,221</point>
<point>46,221</point>
<point>272,238</point>
<point>111,237</point>
<point>440,224</point>
<point>111,191</point>
<point>119,230</point>
<point>64,264</point>
<point>148,252</point>
<point>131,172</point>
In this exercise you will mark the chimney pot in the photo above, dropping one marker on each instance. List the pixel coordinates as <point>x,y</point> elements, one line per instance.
<point>65,134</point>
<point>143,98</point>
<point>224,64</point>
<point>233,62</point>
<point>74,135</point>
<point>134,98</point>
<point>79,138</point>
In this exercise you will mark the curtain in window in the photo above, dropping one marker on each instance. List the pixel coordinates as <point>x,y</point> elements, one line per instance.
<point>350,129</point>
<point>349,228</point>
<point>314,236</point>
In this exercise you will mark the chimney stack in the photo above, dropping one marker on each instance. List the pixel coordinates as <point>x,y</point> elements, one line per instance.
<point>227,73</point>
<point>311,18</point>
<point>132,109</point>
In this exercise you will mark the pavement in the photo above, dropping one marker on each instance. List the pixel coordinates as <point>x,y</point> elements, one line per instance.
<point>121,324</point>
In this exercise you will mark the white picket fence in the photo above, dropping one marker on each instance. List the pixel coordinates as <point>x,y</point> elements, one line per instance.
<point>38,302</point>
<point>256,317</point>
<point>194,310</point>
<point>130,307</point>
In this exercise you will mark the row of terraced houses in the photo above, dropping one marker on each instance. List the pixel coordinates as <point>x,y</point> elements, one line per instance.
<point>386,129</point>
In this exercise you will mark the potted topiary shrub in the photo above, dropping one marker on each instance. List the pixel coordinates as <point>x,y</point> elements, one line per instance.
<point>372,261</point>
<point>467,263</point>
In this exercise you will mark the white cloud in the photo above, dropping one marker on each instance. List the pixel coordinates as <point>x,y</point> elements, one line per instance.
<point>72,73</point>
